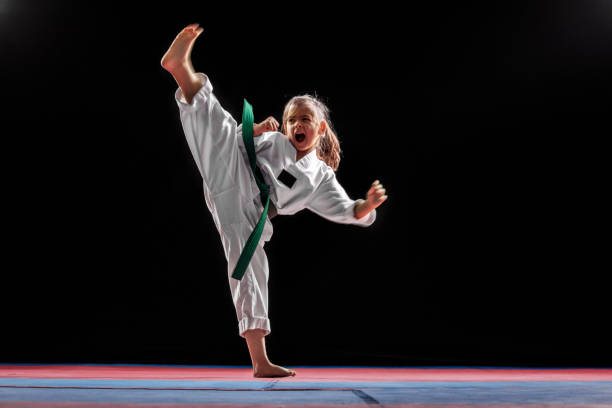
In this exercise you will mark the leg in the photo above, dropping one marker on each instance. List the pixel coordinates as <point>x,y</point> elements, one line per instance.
<point>177,61</point>
<point>250,297</point>
<point>262,367</point>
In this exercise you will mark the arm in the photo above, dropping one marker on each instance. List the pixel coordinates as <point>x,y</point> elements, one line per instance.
<point>331,201</point>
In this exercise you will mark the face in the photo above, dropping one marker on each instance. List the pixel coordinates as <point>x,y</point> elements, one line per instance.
<point>304,128</point>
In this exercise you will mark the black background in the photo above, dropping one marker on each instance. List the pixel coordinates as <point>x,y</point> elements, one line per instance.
<point>486,122</point>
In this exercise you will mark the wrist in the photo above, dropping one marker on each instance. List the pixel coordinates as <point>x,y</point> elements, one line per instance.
<point>362,208</point>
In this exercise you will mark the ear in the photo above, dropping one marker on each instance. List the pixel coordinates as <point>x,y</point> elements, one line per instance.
<point>322,127</point>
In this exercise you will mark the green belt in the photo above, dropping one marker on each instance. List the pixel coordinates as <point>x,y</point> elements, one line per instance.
<point>264,190</point>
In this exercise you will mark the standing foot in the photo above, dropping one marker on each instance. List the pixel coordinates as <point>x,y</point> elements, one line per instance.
<point>272,370</point>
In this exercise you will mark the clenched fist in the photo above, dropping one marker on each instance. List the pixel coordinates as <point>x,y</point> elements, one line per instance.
<point>268,125</point>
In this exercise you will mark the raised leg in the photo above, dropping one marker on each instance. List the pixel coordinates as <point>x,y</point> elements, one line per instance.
<point>177,61</point>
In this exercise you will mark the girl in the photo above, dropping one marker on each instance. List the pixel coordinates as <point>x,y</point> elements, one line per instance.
<point>298,166</point>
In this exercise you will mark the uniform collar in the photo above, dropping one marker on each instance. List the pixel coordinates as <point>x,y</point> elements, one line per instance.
<point>309,159</point>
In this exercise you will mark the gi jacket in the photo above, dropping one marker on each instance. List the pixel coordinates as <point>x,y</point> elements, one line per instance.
<point>294,185</point>
<point>307,183</point>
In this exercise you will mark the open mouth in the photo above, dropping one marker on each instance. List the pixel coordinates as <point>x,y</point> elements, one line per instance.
<point>300,137</point>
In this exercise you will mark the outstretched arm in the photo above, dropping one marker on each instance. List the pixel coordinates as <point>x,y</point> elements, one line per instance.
<point>375,197</point>
<point>331,201</point>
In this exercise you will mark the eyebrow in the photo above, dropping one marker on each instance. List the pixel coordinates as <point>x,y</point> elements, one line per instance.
<point>305,114</point>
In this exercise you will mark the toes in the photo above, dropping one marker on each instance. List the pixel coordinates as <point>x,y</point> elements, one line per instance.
<point>192,29</point>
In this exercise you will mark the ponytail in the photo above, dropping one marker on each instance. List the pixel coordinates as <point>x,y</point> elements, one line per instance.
<point>328,149</point>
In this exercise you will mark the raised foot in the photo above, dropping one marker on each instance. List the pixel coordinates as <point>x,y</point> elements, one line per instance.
<point>272,370</point>
<point>179,52</point>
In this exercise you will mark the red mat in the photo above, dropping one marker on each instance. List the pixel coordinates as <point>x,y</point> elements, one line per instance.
<point>304,374</point>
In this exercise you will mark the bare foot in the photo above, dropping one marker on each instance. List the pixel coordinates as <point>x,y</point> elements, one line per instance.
<point>272,370</point>
<point>179,52</point>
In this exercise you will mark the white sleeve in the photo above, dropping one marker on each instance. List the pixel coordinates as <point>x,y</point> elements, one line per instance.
<point>331,201</point>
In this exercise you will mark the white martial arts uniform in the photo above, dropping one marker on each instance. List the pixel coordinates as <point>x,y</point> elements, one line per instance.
<point>232,195</point>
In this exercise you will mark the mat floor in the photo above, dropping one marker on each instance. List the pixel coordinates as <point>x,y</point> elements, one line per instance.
<point>147,386</point>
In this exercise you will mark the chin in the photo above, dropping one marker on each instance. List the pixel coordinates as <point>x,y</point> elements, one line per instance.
<point>302,147</point>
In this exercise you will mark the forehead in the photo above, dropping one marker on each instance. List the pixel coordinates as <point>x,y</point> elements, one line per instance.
<point>301,109</point>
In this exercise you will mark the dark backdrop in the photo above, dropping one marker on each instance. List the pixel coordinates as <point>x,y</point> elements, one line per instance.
<point>485,121</point>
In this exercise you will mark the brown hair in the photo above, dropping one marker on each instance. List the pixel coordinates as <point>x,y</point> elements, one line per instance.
<point>328,148</point>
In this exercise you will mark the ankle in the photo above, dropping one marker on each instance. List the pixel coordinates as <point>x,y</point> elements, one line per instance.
<point>261,364</point>
<point>173,65</point>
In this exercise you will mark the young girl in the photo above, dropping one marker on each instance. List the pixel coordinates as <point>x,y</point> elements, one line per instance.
<point>298,166</point>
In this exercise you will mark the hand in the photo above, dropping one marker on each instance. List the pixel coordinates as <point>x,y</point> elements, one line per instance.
<point>268,125</point>
<point>375,197</point>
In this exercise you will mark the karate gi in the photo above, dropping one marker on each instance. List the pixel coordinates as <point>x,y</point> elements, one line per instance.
<point>233,198</point>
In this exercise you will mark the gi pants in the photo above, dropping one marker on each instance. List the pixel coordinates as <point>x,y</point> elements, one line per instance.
<point>232,196</point>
